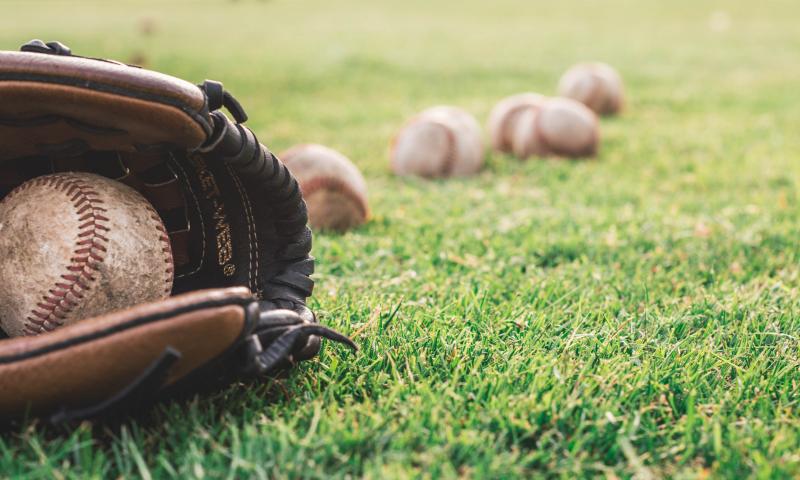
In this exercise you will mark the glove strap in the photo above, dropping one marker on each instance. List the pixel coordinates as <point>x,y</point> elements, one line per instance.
<point>51,48</point>
<point>283,332</point>
<point>141,391</point>
<point>218,97</point>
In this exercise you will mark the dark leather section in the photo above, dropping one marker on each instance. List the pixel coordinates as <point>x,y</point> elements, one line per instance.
<point>249,220</point>
<point>87,362</point>
<point>279,206</point>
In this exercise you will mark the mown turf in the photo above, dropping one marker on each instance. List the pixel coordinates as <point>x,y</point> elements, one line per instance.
<point>636,315</point>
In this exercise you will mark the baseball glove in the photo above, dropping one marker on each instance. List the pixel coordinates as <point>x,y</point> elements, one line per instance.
<point>236,222</point>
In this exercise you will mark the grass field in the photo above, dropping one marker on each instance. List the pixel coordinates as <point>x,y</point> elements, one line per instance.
<point>637,315</point>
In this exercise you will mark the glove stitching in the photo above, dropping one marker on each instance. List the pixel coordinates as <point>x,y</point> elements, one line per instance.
<point>89,253</point>
<point>251,234</point>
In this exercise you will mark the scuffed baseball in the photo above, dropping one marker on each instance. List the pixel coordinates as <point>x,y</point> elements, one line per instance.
<point>596,85</point>
<point>525,139</point>
<point>560,127</point>
<point>334,189</point>
<point>504,115</point>
<point>568,128</point>
<point>440,142</point>
<point>78,245</point>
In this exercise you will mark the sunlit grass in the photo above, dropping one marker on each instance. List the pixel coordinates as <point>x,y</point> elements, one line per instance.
<point>633,315</point>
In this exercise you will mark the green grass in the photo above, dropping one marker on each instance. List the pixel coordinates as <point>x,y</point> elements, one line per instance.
<point>637,315</point>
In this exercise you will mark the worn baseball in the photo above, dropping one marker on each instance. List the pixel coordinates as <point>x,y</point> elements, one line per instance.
<point>524,138</point>
<point>561,127</point>
<point>440,142</point>
<point>596,85</point>
<point>504,116</point>
<point>333,188</point>
<point>77,245</point>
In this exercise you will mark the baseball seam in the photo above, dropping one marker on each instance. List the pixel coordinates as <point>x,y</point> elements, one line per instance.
<point>338,186</point>
<point>596,99</point>
<point>451,155</point>
<point>88,255</point>
<point>540,139</point>
<point>448,163</point>
<point>604,97</point>
<point>585,151</point>
<point>588,150</point>
<point>166,249</point>
<point>507,123</point>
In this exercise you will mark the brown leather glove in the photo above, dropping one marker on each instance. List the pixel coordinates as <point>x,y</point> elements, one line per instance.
<point>235,217</point>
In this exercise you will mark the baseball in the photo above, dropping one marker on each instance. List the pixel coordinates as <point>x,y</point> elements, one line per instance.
<point>333,188</point>
<point>78,245</point>
<point>596,85</point>
<point>439,142</point>
<point>524,137</point>
<point>561,127</point>
<point>504,115</point>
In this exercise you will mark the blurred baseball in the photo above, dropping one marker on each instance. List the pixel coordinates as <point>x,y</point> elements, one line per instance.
<point>504,115</point>
<point>334,189</point>
<point>596,85</point>
<point>441,141</point>
<point>78,245</point>
<point>563,127</point>
<point>524,138</point>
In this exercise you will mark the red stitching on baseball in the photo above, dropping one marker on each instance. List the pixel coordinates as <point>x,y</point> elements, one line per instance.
<point>508,122</point>
<point>337,186</point>
<point>89,253</point>
<point>450,158</point>
<point>166,249</point>
<point>539,139</point>
<point>596,99</point>
<point>448,163</point>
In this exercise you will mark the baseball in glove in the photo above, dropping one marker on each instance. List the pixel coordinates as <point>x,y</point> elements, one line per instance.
<point>236,222</point>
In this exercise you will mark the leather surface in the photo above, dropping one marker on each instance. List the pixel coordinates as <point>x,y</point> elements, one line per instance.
<point>53,104</point>
<point>92,73</point>
<point>42,118</point>
<point>92,360</point>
